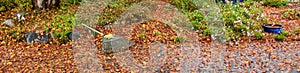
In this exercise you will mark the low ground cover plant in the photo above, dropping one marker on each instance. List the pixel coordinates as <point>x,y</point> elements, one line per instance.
<point>6,5</point>
<point>275,3</point>
<point>291,14</point>
<point>61,26</point>
<point>243,19</point>
<point>279,37</point>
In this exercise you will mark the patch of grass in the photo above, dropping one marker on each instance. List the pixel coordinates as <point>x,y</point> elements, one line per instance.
<point>197,19</point>
<point>157,33</point>
<point>184,5</point>
<point>6,5</point>
<point>291,14</point>
<point>279,37</point>
<point>242,18</point>
<point>114,9</point>
<point>206,32</point>
<point>258,35</point>
<point>177,39</point>
<point>62,26</point>
<point>275,3</point>
<point>285,33</point>
<point>142,35</point>
<point>70,2</point>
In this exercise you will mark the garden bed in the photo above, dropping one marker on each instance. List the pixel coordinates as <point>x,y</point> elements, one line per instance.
<point>261,52</point>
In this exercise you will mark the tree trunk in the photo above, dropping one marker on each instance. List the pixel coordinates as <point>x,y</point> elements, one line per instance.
<point>44,4</point>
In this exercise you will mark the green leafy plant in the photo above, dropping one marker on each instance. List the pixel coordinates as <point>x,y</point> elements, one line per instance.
<point>114,9</point>
<point>157,33</point>
<point>6,5</point>
<point>275,3</point>
<point>291,14</point>
<point>197,20</point>
<point>258,35</point>
<point>296,31</point>
<point>279,37</point>
<point>70,2</point>
<point>184,5</point>
<point>242,19</point>
<point>142,35</point>
<point>177,39</point>
<point>62,26</point>
<point>285,33</point>
<point>206,32</point>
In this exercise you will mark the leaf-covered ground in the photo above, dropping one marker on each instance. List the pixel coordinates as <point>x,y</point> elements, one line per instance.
<point>246,56</point>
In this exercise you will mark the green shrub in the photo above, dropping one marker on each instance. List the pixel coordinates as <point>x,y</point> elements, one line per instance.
<point>285,33</point>
<point>207,32</point>
<point>197,20</point>
<point>61,26</point>
<point>157,33</point>
<point>275,3</point>
<point>242,19</point>
<point>184,5</point>
<point>6,5</point>
<point>279,37</point>
<point>114,9</point>
<point>70,2</point>
<point>177,39</point>
<point>291,14</point>
<point>142,35</point>
<point>258,35</point>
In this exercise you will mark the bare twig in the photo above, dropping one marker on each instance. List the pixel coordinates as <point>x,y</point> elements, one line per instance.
<point>53,38</point>
<point>93,29</point>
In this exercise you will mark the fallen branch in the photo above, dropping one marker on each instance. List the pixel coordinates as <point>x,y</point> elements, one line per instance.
<point>108,36</point>
<point>93,29</point>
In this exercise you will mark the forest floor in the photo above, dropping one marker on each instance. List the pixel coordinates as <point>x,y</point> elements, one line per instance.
<point>204,56</point>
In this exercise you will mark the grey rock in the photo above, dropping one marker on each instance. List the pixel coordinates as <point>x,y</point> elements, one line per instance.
<point>8,22</point>
<point>43,38</point>
<point>116,44</point>
<point>74,35</point>
<point>30,37</point>
<point>20,15</point>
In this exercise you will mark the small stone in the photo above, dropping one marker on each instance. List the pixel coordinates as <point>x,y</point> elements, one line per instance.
<point>74,35</point>
<point>116,44</point>
<point>31,36</point>
<point>20,15</point>
<point>43,38</point>
<point>9,22</point>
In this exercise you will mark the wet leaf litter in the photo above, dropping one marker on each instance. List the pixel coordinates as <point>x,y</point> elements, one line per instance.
<point>44,57</point>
